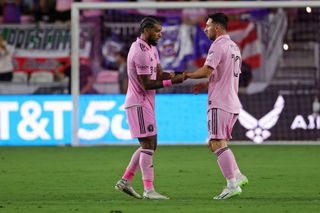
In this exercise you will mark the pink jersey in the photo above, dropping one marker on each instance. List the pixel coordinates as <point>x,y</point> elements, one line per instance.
<point>225,58</point>
<point>142,60</point>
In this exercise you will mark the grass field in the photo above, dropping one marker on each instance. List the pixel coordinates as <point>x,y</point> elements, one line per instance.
<point>65,179</point>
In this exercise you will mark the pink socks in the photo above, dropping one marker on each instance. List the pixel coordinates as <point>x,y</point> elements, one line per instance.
<point>146,165</point>
<point>133,166</point>
<point>144,159</point>
<point>226,162</point>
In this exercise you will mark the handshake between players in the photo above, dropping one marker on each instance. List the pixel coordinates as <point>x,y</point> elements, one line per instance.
<point>181,77</point>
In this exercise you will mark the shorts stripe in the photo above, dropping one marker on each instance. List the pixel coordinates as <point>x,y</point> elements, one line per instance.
<point>216,120</point>
<point>212,118</point>
<point>141,120</point>
<point>220,123</point>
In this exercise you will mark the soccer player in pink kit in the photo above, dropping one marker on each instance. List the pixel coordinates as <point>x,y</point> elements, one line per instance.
<point>222,67</point>
<point>145,75</point>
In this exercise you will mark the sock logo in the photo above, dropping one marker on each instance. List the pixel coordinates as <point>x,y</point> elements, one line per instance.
<point>258,130</point>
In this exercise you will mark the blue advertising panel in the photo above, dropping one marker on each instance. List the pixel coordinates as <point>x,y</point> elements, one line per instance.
<point>47,120</point>
<point>35,120</point>
<point>180,119</point>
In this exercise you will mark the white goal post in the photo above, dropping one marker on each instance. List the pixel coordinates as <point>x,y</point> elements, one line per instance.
<point>75,30</point>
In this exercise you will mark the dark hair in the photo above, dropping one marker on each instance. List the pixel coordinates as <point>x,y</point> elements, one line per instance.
<point>219,18</point>
<point>148,22</point>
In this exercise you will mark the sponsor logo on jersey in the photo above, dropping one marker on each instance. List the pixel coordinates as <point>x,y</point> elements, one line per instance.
<point>143,47</point>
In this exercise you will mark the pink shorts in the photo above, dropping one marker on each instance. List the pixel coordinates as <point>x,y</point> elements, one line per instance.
<point>142,122</point>
<point>220,123</point>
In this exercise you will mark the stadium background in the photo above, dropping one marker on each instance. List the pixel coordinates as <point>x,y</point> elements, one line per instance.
<point>280,49</point>
<point>39,172</point>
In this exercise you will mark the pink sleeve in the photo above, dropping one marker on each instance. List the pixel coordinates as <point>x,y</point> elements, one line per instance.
<point>142,63</point>
<point>214,56</point>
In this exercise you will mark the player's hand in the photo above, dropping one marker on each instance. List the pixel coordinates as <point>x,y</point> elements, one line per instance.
<point>179,78</point>
<point>167,75</point>
<point>187,75</point>
<point>199,87</point>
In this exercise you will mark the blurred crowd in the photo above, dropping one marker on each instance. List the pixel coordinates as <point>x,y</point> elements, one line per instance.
<point>39,11</point>
<point>51,11</point>
<point>59,12</point>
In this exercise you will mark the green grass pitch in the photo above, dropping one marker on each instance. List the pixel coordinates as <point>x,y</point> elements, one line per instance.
<point>81,180</point>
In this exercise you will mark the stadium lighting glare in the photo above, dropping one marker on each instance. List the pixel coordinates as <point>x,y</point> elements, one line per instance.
<point>308,9</point>
<point>285,47</point>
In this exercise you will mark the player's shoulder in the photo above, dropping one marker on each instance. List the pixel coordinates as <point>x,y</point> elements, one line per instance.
<point>233,46</point>
<point>217,47</point>
<point>143,47</point>
<point>139,47</point>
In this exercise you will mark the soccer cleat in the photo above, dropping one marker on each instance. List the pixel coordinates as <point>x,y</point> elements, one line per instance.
<point>228,193</point>
<point>153,195</point>
<point>242,180</point>
<point>125,186</point>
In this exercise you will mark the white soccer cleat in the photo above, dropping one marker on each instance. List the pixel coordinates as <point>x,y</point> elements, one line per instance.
<point>125,186</point>
<point>242,180</point>
<point>153,195</point>
<point>228,193</point>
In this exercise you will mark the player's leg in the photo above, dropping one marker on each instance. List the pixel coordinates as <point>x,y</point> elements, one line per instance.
<point>218,121</point>
<point>146,161</point>
<point>241,179</point>
<point>124,184</point>
<point>137,129</point>
<point>148,146</point>
<point>225,162</point>
<point>133,166</point>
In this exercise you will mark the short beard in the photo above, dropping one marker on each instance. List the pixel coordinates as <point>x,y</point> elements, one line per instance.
<point>213,38</point>
<point>152,42</point>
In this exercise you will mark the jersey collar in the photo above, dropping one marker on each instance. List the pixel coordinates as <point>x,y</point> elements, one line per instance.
<point>141,41</point>
<point>222,37</point>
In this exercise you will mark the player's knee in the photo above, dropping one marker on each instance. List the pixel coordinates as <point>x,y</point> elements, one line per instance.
<point>148,143</point>
<point>217,144</point>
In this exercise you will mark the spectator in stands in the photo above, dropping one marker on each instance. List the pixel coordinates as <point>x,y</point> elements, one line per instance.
<point>6,60</point>
<point>11,11</point>
<point>94,17</point>
<point>45,11</point>
<point>86,78</point>
<point>27,11</point>
<point>63,11</point>
<point>121,59</point>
